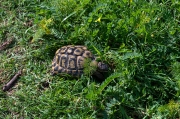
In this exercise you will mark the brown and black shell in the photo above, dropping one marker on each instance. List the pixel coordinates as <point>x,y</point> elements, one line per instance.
<point>70,59</point>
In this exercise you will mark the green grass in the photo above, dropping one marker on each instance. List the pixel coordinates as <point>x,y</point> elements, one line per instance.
<point>139,39</point>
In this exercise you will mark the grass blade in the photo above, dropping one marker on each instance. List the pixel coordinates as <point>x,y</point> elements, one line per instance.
<point>107,81</point>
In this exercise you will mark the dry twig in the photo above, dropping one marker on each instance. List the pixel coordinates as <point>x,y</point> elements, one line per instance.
<point>6,44</point>
<point>11,83</point>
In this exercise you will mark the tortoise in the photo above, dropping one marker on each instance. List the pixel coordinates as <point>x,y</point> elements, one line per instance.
<point>71,59</point>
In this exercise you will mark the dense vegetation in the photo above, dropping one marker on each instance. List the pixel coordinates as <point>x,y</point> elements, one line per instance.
<point>138,39</point>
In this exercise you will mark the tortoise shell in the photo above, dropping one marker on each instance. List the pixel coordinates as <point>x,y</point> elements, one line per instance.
<point>70,60</point>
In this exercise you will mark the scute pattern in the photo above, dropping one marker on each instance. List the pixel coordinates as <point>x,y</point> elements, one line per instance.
<point>69,59</point>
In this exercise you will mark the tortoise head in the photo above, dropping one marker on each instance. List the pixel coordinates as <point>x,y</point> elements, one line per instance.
<point>102,67</point>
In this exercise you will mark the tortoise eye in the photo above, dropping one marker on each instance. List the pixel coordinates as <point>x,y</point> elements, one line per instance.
<point>102,66</point>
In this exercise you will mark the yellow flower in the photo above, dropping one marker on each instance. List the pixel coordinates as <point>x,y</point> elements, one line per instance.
<point>49,21</point>
<point>98,20</point>
<point>44,25</point>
